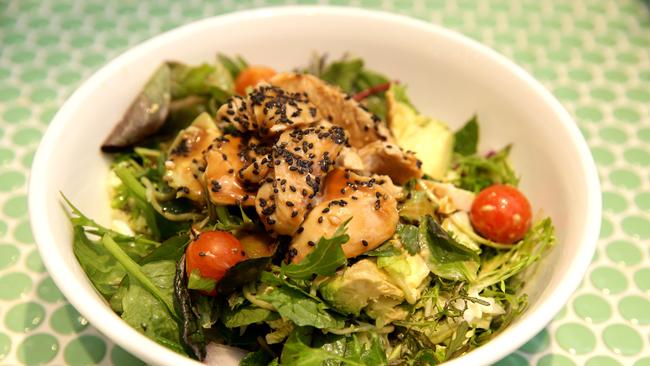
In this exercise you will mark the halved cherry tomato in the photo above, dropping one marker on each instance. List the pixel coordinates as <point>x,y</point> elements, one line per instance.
<point>501,213</point>
<point>252,75</point>
<point>213,253</point>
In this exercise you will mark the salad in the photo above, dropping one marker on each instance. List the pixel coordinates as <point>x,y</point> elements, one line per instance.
<point>310,217</point>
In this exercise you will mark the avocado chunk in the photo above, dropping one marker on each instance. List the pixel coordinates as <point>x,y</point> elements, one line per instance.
<point>409,272</point>
<point>431,140</point>
<point>357,286</point>
<point>386,310</point>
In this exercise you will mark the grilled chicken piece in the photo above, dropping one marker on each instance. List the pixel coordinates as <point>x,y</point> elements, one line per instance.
<point>362,126</point>
<point>350,159</point>
<point>185,162</point>
<point>301,157</point>
<point>258,162</point>
<point>368,201</point>
<point>389,159</point>
<point>268,111</point>
<point>451,197</point>
<point>223,162</point>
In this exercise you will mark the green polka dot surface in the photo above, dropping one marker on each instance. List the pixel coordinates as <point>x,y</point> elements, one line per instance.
<point>593,56</point>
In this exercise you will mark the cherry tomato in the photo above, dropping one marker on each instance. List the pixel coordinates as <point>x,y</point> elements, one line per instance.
<point>252,75</point>
<point>213,253</point>
<point>501,213</point>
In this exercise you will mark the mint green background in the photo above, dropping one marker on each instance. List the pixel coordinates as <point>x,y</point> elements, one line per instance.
<point>594,55</point>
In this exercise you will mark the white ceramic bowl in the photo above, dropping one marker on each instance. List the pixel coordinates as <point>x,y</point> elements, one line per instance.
<point>449,76</point>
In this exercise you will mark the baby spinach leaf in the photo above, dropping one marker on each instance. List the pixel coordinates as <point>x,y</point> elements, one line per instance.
<point>301,309</point>
<point>191,333</point>
<point>466,139</point>
<point>146,312</point>
<point>102,269</point>
<point>331,350</point>
<point>136,272</point>
<point>171,249</point>
<point>246,315</point>
<point>409,236</point>
<point>297,352</point>
<point>242,273</point>
<point>146,114</point>
<point>324,260</point>
<point>445,257</point>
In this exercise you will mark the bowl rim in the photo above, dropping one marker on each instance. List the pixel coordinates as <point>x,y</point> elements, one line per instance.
<point>119,332</point>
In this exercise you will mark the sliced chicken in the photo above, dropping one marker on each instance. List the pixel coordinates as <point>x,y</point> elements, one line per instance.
<point>223,162</point>
<point>389,159</point>
<point>368,202</point>
<point>362,126</point>
<point>301,157</point>
<point>185,163</point>
<point>451,197</point>
<point>259,161</point>
<point>268,111</point>
<point>350,159</point>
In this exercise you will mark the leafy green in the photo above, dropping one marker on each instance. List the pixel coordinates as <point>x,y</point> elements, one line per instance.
<point>447,258</point>
<point>139,194</point>
<point>102,269</point>
<point>137,247</point>
<point>324,260</point>
<point>146,312</point>
<point>457,341</point>
<point>331,350</point>
<point>136,272</point>
<point>343,73</point>
<point>476,172</point>
<point>246,315</point>
<point>505,264</point>
<point>301,309</point>
<point>191,334</point>
<point>200,283</point>
<point>409,236</point>
<point>234,65</point>
<point>385,250</point>
<point>213,80</point>
<point>145,115</point>
<point>366,354</point>
<point>296,351</point>
<point>257,358</point>
<point>416,205</point>
<point>171,249</point>
<point>244,272</point>
<point>401,96</point>
<point>466,139</point>
<point>352,77</point>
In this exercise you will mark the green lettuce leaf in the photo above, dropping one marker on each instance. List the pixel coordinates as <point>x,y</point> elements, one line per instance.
<point>466,139</point>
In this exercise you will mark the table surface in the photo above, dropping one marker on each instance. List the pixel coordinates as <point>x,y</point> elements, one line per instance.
<point>593,55</point>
